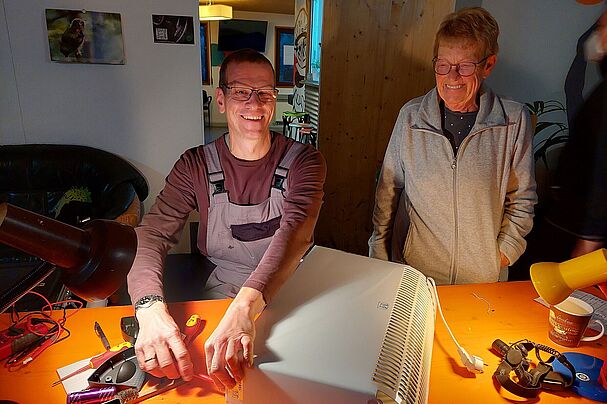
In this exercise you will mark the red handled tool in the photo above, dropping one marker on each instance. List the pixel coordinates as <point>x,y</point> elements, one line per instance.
<point>97,360</point>
<point>193,328</point>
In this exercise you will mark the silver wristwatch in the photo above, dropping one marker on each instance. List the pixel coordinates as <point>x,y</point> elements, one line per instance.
<point>147,301</point>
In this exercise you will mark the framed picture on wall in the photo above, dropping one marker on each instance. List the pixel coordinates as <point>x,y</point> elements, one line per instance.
<point>284,56</point>
<point>205,53</point>
<point>173,29</point>
<point>79,36</point>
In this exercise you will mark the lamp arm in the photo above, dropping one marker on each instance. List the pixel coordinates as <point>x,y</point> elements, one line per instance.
<point>51,240</point>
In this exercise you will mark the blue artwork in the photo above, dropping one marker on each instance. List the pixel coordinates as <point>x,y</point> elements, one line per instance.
<point>285,56</point>
<point>204,53</point>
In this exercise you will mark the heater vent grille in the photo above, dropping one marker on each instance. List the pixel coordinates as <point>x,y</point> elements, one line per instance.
<point>403,367</point>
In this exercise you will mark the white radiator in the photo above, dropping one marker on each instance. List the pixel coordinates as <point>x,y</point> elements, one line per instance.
<point>342,328</point>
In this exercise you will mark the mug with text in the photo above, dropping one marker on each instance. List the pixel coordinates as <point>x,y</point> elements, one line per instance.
<point>569,320</point>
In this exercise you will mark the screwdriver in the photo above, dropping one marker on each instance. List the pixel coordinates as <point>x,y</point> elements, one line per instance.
<point>96,361</point>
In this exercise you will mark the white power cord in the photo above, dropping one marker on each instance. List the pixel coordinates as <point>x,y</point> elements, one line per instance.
<point>473,363</point>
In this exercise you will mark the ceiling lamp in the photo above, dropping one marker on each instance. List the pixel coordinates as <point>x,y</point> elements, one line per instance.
<point>214,12</point>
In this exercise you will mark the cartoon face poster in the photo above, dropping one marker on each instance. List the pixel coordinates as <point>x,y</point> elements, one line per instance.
<point>78,36</point>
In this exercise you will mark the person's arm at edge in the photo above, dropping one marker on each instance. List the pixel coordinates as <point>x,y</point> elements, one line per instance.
<point>387,194</point>
<point>521,194</point>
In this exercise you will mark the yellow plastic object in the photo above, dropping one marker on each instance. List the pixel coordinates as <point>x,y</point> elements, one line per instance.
<point>554,282</point>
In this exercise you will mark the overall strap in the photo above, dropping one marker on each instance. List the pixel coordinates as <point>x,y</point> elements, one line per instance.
<point>282,170</point>
<point>214,171</point>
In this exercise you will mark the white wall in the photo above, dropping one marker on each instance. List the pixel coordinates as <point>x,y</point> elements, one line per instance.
<point>274,20</point>
<point>147,111</point>
<point>537,44</point>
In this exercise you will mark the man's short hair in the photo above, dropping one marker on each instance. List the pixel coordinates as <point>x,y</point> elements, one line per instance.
<point>241,56</point>
<point>473,24</point>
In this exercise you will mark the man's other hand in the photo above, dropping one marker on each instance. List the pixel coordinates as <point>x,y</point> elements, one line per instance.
<point>229,349</point>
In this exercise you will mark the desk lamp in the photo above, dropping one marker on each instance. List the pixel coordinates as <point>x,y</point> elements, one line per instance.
<point>554,282</point>
<point>94,260</point>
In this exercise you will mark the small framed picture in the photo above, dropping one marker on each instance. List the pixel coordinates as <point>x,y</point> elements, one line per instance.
<point>284,56</point>
<point>173,29</point>
<point>79,36</point>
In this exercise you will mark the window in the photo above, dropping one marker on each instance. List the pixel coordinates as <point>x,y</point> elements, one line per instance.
<point>315,40</point>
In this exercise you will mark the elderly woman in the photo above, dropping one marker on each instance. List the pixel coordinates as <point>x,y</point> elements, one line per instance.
<point>456,193</point>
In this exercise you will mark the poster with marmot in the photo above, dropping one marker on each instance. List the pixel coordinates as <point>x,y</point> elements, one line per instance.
<point>78,36</point>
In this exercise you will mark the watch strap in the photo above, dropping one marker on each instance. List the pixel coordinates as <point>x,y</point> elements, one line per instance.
<point>147,301</point>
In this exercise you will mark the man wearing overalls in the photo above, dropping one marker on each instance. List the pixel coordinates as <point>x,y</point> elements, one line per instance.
<point>259,195</point>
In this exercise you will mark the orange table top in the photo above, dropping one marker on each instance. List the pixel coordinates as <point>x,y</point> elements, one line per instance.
<point>499,310</point>
<point>477,315</point>
<point>32,384</point>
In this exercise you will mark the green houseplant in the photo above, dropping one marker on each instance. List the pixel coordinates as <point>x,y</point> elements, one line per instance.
<point>558,131</point>
<point>549,137</point>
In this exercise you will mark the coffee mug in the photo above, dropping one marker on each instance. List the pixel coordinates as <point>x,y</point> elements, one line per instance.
<point>569,320</point>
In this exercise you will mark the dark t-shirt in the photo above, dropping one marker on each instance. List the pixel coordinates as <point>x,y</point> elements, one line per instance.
<point>457,125</point>
<point>247,182</point>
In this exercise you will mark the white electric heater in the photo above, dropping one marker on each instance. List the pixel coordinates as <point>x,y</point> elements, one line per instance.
<point>341,329</point>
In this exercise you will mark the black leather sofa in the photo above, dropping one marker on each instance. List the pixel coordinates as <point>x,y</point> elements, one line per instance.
<point>70,183</point>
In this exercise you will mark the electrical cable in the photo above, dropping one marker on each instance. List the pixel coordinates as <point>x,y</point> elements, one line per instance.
<point>56,333</point>
<point>472,362</point>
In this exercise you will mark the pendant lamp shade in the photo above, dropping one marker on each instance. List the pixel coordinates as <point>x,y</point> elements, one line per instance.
<point>214,12</point>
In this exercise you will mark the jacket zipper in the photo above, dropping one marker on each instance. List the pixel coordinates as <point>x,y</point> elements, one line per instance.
<point>453,269</point>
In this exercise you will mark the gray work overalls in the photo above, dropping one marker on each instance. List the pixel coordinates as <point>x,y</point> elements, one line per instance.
<point>239,235</point>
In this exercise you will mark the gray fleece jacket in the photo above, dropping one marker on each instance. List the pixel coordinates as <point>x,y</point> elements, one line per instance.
<point>447,215</point>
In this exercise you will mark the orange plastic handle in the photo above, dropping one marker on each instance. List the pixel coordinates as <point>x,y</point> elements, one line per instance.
<point>96,361</point>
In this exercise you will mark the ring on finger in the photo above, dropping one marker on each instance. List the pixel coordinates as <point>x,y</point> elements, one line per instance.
<point>150,359</point>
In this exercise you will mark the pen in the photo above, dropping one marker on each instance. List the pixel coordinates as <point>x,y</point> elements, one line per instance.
<point>102,336</point>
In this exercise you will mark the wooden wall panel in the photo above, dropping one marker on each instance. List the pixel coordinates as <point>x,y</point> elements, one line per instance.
<point>376,55</point>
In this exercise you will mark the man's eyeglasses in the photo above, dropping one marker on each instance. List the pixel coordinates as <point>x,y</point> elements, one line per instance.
<point>245,93</point>
<point>442,67</point>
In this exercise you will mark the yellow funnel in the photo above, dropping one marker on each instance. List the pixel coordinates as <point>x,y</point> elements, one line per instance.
<point>555,282</point>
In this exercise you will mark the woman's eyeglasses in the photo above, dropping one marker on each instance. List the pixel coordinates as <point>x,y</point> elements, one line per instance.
<point>443,67</point>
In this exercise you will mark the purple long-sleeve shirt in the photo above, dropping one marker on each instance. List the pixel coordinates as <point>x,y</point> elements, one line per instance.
<point>248,182</point>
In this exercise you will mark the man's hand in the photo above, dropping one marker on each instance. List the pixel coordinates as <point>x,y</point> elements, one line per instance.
<point>230,348</point>
<point>504,261</point>
<point>159,343</point>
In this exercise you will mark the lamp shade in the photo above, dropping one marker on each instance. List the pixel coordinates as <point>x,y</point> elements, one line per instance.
<point>94,260</point>
<point>554,282</point>
<point>214,12</point>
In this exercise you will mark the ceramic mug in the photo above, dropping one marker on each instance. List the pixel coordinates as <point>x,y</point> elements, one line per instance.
<point>569,320</point>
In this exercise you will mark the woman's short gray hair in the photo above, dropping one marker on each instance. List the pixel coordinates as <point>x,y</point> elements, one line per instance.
<point>473,24</point>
